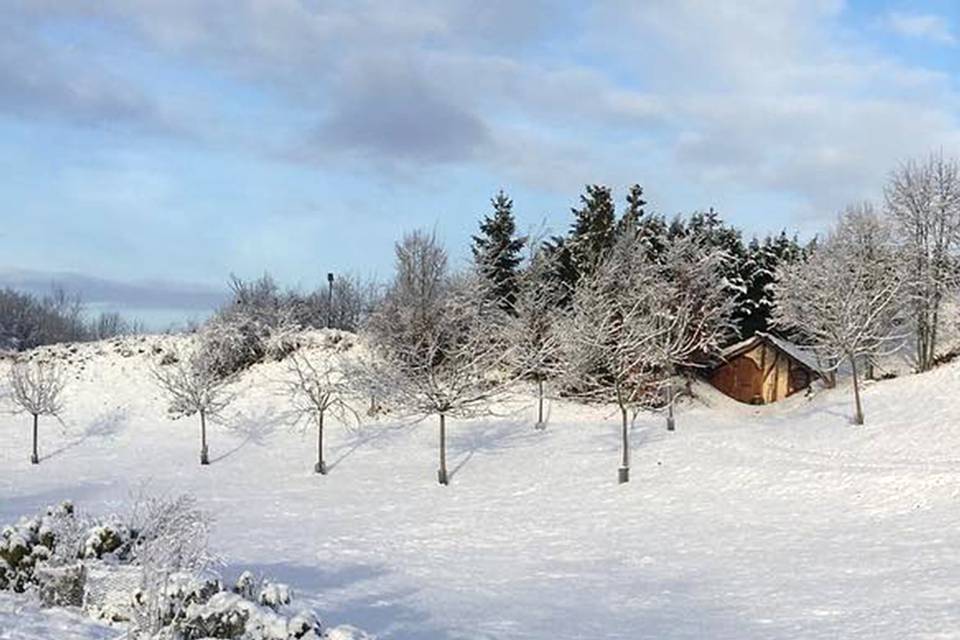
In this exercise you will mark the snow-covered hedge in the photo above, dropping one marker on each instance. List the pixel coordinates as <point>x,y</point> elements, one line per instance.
<point>107,567</point>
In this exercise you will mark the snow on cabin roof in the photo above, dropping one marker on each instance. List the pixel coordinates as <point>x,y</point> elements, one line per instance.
<point>795,351</point>
<point>802,355</point>
<point>735,349</point>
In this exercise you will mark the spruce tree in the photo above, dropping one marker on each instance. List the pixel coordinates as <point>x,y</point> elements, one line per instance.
<point>710,231</point>
<point>563,273</point>
<point>633,215</point>
<point>593,232</point>
<point>760,266</point>
<point>497,250</point>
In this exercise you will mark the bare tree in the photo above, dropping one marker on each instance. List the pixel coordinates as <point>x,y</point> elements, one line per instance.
<point>534,327</point>
<point>694,314</point>
<point>172,537</point>
<point>194,387</point>
<point>612,335</point>
<point>314,390</point>
<point>437,341</point>
<point>845,299</point>
<point>923,200</point>
<point>37,388</point>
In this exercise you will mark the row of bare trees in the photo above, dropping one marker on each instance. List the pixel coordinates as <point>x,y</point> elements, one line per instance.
<point>193,387</point>
<point>445,345</point>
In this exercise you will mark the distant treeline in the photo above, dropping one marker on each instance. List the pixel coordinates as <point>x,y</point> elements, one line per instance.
<point>28,320</point>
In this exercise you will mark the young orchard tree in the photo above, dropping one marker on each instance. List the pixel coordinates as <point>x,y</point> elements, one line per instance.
<point>194,387</point>
<point>845,298</point>
<point>695,313</point>
<point>436,340</point>
<point>533,330</point>
<point>923,200</point>
<point>612,334</point>
<point>316,390</point>
<point>37,388</point>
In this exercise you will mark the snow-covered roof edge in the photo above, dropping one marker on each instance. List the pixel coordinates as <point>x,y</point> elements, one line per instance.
<point>804,356</point>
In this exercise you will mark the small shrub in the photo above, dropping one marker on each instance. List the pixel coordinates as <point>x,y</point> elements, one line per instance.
<point>148,572</point>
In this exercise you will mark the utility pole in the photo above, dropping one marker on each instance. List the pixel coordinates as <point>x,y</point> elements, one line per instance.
<point>329,300</point>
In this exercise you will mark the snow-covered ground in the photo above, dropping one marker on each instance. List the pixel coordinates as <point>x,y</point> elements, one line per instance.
<point>773,522</point>
<point>21,618</point>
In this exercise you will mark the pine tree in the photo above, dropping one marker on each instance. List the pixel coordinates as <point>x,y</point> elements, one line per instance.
<point>633,215</point>
<point>760,266</point>
<point>563,273</point>
<point>709,231</point>
<point>497,251</point>
<point>593,231</point>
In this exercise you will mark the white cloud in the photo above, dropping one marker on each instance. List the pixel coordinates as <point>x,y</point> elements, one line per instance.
<point>786,99</point>
<point>924,26</point>
<point>782,99</point>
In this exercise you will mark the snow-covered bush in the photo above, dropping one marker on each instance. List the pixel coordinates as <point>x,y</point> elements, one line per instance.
<point>61,586</point>
<point>151,572</point>
<point>231,342</point>
<point>347,632</point>
<point>226,614</point>
<point>257,324</point>
<point>29,543</point>
<point>106,538</point>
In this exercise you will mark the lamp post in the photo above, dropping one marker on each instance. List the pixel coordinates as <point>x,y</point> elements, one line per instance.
<point>329,300</point>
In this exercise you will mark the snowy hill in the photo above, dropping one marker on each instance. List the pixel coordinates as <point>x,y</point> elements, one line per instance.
<point>781,521</point>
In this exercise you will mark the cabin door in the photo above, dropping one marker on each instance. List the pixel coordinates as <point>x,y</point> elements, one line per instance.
<point>748,381</point>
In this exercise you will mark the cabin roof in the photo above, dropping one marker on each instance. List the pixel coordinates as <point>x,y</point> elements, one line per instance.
<point>800,354</point>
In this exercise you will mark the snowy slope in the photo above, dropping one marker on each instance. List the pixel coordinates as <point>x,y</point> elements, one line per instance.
<point>22,619</point>
<point>748,522</point>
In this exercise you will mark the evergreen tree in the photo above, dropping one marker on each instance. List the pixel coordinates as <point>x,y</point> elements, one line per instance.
<point>497,250</point>
<point>563,273</point>
<point>632,217</point>
<point>710,232</point>
<point>593,231</point>
<point>652,233</point>
<point>760,266</point>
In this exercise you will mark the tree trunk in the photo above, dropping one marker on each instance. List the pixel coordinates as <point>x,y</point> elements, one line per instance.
<point>858,416</point>
<point>321,466</point>
<point>671,425</point>
<point>204,458</point>
<point>35,457</point>
<point>540,423</point>
<point>623,474</point>
<point>442,471</point>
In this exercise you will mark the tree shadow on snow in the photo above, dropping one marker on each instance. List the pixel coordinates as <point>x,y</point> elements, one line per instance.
<point>253,428</point>
<point>353,594</point>
<point>13,507</point>
<point>467,440</point>
<point>369,435</point>
<point>105,426</point>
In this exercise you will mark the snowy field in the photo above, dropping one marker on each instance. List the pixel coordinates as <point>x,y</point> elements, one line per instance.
<point>772,522</point>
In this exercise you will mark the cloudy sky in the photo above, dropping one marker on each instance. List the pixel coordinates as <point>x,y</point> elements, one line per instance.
<point>151,147</point>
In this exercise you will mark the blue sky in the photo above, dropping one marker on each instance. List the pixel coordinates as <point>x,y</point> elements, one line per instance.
<point>149,148</point>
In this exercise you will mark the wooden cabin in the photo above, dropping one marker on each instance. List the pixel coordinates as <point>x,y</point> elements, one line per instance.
<point>763,369</point>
